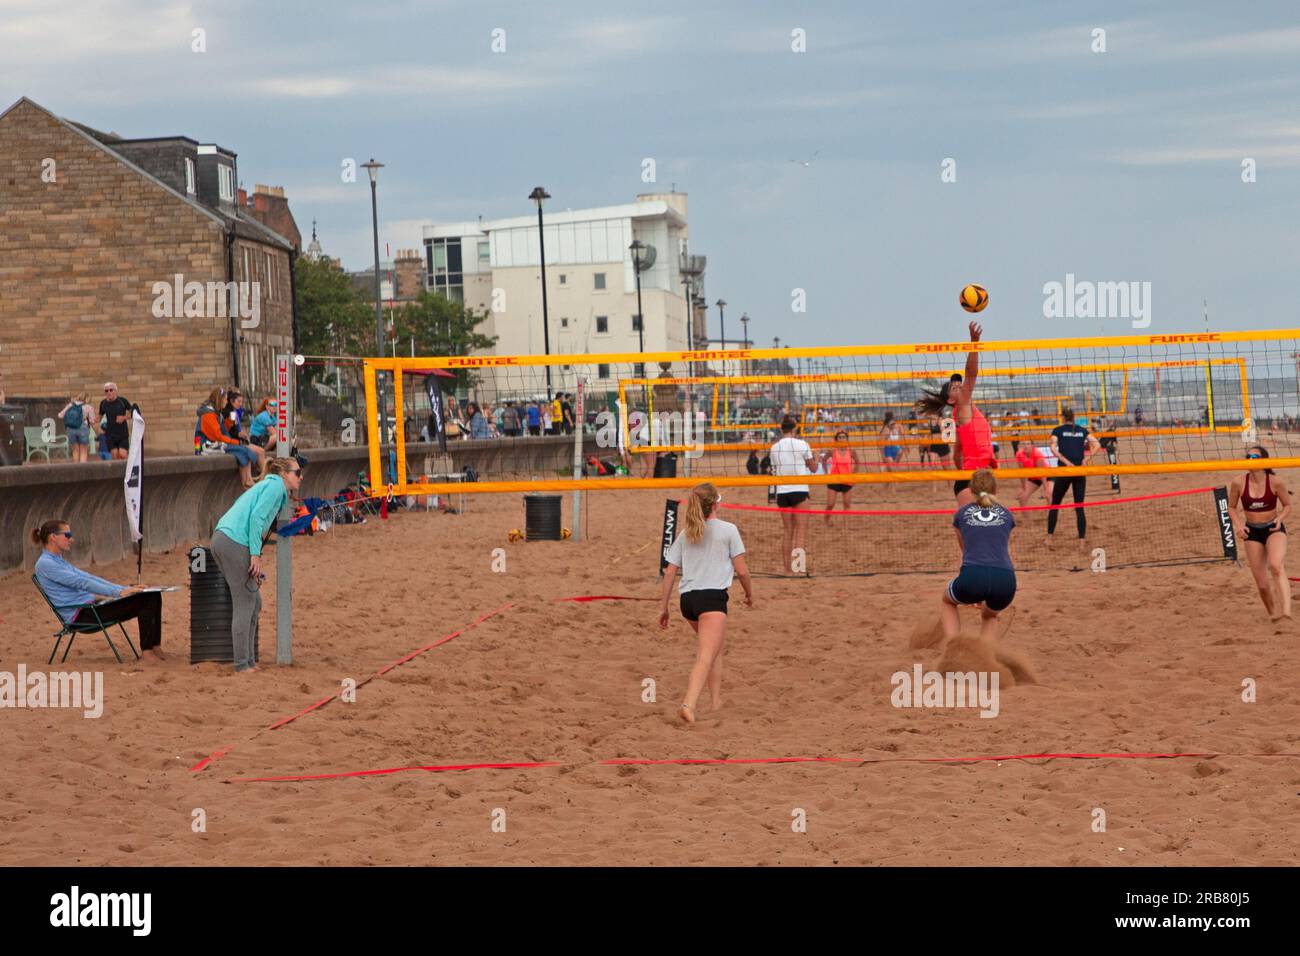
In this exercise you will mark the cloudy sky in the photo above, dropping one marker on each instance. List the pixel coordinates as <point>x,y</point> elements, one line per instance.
<point>817,170</point>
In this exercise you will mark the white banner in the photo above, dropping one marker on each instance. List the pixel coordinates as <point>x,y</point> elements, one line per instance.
<point>133,475</point>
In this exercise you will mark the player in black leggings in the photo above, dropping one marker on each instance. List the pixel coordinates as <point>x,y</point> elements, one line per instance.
<point>1072,445</point>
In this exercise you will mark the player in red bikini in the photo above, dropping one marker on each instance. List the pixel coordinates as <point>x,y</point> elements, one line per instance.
<point>1264,502</point>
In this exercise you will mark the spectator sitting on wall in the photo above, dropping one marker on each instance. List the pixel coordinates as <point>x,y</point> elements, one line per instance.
<point>77,416</point>
<point>232,417</point>
<point>210,438</point>
<point>69,589</point>
<point>261,431</point>
<point>115,413</point>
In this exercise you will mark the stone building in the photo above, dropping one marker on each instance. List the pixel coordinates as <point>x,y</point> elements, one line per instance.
<point>134,260</point>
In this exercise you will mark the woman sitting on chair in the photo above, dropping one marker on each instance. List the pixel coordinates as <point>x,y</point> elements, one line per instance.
<point>70,589</point>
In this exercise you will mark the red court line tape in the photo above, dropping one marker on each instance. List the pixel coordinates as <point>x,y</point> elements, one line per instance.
<point>606,597</point>
<point>949,511</point>
<point>387,770</point>
<point>715,761</point>
<point>211,758</point>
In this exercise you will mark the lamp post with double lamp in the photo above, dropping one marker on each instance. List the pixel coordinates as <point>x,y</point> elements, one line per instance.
<point>373,169</point>
<point>635,249</point>
<point>540,195</point>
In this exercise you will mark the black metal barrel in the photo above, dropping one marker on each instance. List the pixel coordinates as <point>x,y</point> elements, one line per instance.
<point>542,517</point>
<point>210,611</point>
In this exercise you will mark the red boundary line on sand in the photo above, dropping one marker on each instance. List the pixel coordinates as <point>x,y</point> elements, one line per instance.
<point>217,754</point>
<point>948,511</point>
<point>605,597</point>
<point>714,761</point>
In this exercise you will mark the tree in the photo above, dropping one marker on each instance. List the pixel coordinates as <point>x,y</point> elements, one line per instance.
<point>442,327</point>
<point>334,318</point>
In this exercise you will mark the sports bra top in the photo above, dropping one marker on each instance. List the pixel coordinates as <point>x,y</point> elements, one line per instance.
<point>976,440</point>
<point>842,461</point>
<point>1265,502</point>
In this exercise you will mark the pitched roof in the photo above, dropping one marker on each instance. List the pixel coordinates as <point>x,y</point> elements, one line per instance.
<point>242,225</point>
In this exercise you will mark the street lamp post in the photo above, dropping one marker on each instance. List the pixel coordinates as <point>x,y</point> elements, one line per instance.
<point>373,169</point>
<point>722,320</point>
<point>635,249</point>
<point>539,195</point>
<point>744,324</point>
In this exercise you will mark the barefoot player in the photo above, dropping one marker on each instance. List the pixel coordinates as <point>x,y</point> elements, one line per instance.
<point>987,575</point>
<point>1264,502</point>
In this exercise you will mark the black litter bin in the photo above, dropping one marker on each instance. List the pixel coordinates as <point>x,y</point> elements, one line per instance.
<point>210,612</point>
<point>666,465</point>
<point>542,517</point>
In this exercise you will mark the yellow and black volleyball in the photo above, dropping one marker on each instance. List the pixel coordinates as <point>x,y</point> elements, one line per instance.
<point>974,298</point>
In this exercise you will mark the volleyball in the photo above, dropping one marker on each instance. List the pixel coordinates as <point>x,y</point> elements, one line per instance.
<point>514,534</point>
<point>974,298</point>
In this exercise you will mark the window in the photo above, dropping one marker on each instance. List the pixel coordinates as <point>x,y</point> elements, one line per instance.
<point>600,280</point>
<point>484,250</point>
<point>564,279</point>
<point>189,175</point>
<point>227,183</point>
<point>636,323</point>
<point>602,371</point>
<point>602,325</point>
<point>564,323</point>
<point>640,370</point>
<point>270,277</point>
<point>439,254</point>
<point>248,266</point>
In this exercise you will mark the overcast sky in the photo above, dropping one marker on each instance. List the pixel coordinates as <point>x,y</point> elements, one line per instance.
<point>1117,166</point>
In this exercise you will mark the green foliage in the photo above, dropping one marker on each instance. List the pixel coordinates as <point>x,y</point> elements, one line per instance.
<point>442,327</point>
<point>334,318</point>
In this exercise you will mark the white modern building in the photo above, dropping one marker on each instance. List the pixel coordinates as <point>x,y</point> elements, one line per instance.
<point>494,266</point>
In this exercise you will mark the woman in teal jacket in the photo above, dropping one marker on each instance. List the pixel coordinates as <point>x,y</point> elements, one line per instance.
<point>237,544</point>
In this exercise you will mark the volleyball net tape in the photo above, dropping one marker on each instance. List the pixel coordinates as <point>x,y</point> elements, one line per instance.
<point>1189,526</point>
<point>1158,403</point>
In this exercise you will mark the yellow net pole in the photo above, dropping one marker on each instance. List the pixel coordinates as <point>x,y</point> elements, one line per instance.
<point>399,429</point>
<point>372,424</point>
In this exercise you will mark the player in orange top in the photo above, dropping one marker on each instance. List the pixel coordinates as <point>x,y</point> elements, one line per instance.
<point>841,460</point>
<point>974,437</point>
<point>1031,456</point>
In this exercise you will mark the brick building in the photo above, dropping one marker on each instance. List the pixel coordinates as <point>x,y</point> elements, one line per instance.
<point>95,230</point>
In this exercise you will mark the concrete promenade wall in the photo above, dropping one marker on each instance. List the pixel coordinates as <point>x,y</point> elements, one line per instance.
<point>185,496</point>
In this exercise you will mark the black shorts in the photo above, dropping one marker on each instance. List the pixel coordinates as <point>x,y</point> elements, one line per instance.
<point>943,451</point>
<point>113,442</point>
<point>695,603</point>
<point>995,588</point>
<point>959,486</point>
<point>842,489</point>
<point>259,440</point>
<point>790,499</point>
<point>1034,481</point>
<point>1260,533</point>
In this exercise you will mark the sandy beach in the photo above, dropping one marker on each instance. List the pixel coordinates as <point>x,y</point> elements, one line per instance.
<point>1134,661</point>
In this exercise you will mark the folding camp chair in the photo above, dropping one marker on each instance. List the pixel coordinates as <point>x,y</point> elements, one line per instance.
<point>72,628</point>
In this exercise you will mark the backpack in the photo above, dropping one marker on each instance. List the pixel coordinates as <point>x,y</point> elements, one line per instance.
<point>74,417</point>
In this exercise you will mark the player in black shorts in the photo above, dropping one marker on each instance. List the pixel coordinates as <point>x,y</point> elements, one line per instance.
<point>1072,445</point>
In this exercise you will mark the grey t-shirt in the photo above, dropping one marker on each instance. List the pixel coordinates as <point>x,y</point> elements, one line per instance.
<point>706,564</point>
<point>985,534</point>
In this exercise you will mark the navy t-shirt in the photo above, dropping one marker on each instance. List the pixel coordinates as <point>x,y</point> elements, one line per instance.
<point>985,533</point>
<point>1071,439</point>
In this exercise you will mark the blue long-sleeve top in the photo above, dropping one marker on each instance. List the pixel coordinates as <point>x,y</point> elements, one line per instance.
<point>68,586</point>
<point>250,517</point>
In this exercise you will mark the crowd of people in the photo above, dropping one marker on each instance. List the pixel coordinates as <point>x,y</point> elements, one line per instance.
<point>512,418</point>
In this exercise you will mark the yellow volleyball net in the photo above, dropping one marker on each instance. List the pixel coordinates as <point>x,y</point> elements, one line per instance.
<point>1160,403</point>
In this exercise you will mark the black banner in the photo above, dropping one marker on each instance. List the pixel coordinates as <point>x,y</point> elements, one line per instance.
<point>670,532</point>
<point>1225,523</point>
<point>435,403</point>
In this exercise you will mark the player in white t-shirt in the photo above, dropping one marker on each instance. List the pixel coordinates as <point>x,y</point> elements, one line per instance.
<point>709,553</point>
<point>791,457</point>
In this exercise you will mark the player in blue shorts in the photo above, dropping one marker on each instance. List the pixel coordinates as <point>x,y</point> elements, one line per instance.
<point>987,576</point>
